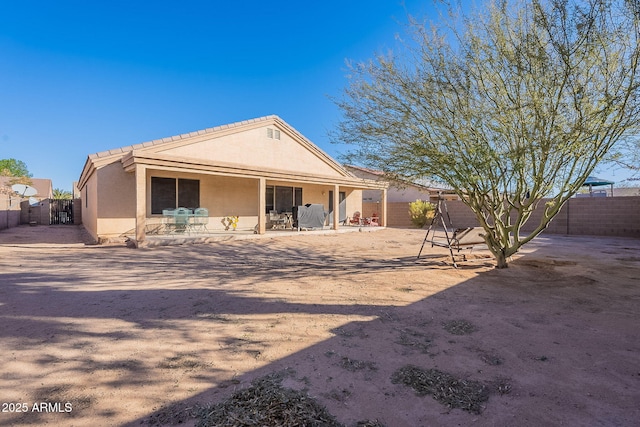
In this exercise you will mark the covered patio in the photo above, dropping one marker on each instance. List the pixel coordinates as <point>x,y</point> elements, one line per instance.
<point>232,193</point>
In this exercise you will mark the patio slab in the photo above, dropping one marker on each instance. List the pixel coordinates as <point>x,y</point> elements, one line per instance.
<point>242,234</point>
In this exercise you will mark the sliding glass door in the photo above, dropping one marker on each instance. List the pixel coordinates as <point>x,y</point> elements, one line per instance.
<point>342,213</point>
<point>282,198</point>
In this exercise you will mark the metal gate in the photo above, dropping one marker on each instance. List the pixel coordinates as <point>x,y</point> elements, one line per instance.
<point>61,211</point>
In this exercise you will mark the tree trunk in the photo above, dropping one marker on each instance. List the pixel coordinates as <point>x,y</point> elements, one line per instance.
<point>501,260</point>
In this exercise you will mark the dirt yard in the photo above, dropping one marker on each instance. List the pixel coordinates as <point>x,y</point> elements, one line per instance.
<point>110,336</point>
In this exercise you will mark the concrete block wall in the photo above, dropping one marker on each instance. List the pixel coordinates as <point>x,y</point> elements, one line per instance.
<point>9,211</point>
<point>38,214</point>
<point>397,213</point>
<point>77,211</point>
<point>461,216</point>
<point>595,216</point>
<point>9,218</point>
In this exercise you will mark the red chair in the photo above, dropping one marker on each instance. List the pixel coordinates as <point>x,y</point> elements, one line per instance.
<point>355,219</point>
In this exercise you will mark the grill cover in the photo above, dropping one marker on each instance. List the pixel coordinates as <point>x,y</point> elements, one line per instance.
<point>309,216</point>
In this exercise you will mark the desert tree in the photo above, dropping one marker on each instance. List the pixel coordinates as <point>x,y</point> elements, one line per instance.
<point>16,171</point>
<point>14,168</point>
<point>512,105</point>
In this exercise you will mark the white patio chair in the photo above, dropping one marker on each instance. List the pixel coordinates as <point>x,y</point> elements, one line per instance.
<point>181,216</point>
<point>276,220</point>
<point>200,219</point>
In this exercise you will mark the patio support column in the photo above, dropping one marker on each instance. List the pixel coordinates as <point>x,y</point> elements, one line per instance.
<point>336,206</point>
<point>262,206</point>
<point>384,207</point>
<point>141,203</point>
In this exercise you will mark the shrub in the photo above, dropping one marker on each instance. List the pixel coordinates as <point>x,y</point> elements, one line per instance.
<point>421,212</point>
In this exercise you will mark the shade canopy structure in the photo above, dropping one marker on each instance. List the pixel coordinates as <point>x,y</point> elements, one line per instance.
<point>593,181</point>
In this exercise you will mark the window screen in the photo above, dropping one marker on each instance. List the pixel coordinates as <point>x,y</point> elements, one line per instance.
<point>270,199</point>
<point>163,194</point>
<point>188,193</point>
<point>298,197</point>
<point>282,199</point>
<point>165,190</point>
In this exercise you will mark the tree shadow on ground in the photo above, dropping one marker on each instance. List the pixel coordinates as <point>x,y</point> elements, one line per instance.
<point>213,315</point>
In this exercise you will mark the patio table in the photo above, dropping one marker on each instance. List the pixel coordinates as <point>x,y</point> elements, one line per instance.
<point>183,220</point>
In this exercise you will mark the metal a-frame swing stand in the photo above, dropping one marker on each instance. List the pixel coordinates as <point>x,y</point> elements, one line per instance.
<point>459,239</point>
<point>438,217</point>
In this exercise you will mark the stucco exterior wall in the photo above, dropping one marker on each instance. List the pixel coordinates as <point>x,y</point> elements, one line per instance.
<point>109,192</point>
<point>253,148</point>
<point>395,193</point>
<point>116,192</point>
<point>89,201</point>
<point>114,227</point>
<point>354,202</point>
<point>222,195</point>
<point>227,196</point>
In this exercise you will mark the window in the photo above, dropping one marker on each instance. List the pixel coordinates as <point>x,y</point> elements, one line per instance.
<point>282,199</point>
<point>273,133</point>
<point>270,198</point>
<point>297,194</point>
<point>171,193</point>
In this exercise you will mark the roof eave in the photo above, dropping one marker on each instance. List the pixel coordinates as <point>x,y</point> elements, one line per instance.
<point>160,161</point>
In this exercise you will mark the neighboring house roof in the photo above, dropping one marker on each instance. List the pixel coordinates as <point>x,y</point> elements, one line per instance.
<point>179,151</point>
<point>43,186</point>
<point>424,185</point>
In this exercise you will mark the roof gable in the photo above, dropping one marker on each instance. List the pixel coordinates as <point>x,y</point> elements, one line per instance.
<point>268,143</point>
<point>252,143</point>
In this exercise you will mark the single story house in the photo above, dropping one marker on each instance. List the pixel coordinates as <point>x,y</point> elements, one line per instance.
<point>245,169</point>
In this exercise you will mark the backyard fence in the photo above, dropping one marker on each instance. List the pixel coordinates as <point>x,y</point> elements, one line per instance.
<point>595,216</point>
<point>15,211</point>
<point>9,211</point>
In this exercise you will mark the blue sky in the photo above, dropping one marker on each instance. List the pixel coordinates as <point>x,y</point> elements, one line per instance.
<point>79,77</point>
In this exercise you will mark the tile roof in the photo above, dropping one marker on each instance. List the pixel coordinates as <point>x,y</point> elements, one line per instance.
<point>165,140</point>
